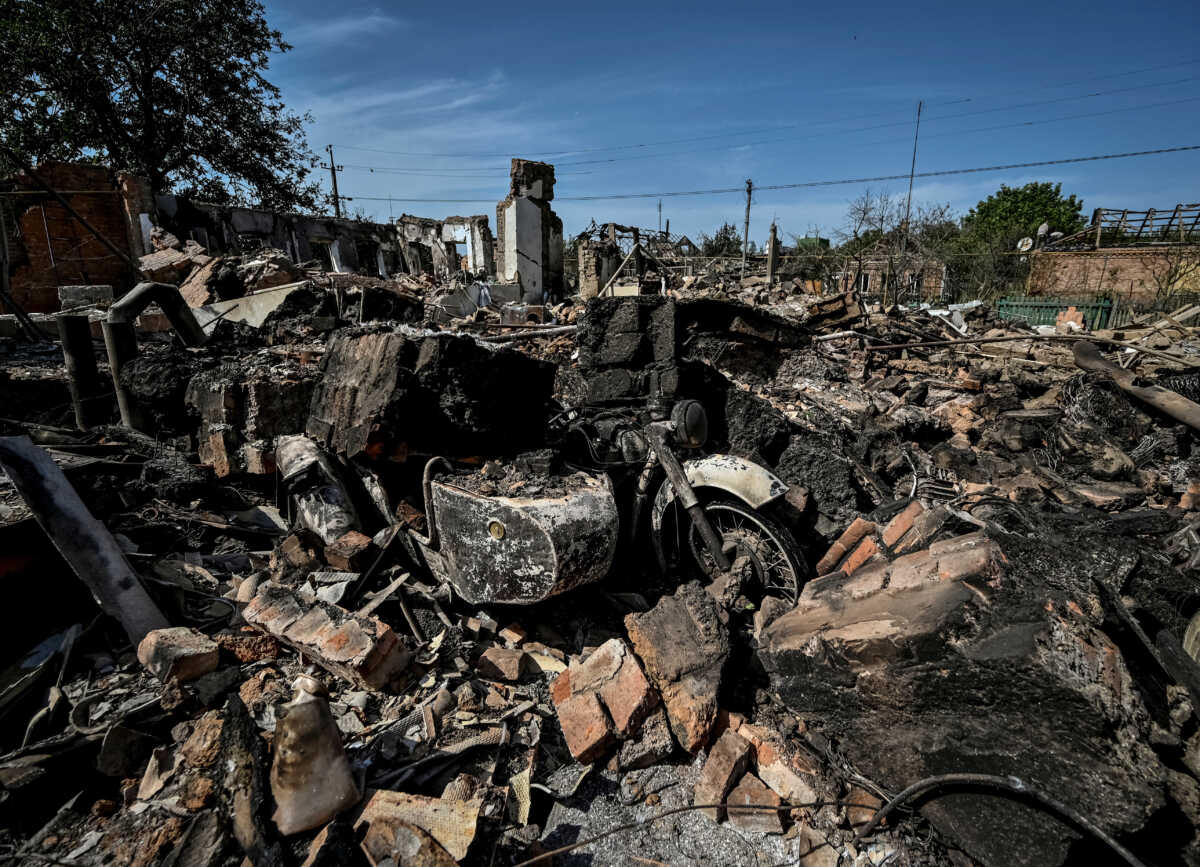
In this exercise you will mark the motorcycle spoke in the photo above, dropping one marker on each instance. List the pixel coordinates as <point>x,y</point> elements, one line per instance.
<point>773,571</point>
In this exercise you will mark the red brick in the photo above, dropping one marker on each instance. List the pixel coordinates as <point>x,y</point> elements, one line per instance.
<point>248,646</point>
<point>513,633</point>
<point>351,552</point>
<point>901,523</point>
<point>501,663</point>
<point>727,761</point>
<point>858,528</point>
<point>866,549</point>
<point>752,791</point>
<point>613,672</point>
<point>586,727</point>
<point>727,720</point>
<point>363,650</point>
<point>865,806</point>
<point>560,688</point>
<point>683,646</point>
<point>178,653</point>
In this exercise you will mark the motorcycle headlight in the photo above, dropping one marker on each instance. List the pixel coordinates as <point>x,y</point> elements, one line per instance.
<point>691,423</point>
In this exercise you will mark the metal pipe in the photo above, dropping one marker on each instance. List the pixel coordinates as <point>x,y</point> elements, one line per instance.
<point>687,496</point>
<point>121,343</point>
<point>1088,357</point>
<point>433,540</point>
<point>79,357</point>
<point>170,300</point>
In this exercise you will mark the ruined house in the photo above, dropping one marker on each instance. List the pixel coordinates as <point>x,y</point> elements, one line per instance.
<point>602,249</point>
<point>431,246</point>
<point>1138,256</point>
<point>50,249</point>
<point>529,234</point>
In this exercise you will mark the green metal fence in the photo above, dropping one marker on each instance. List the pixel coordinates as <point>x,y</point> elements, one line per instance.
<point>1040,310</point>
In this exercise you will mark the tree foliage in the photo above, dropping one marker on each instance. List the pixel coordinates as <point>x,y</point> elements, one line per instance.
<point>1013,212</point>
<point>171,91</point>
<point>985,260</point>
<point>726,241</point>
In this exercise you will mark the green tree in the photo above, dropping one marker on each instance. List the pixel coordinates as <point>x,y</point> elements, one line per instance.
<point>171,91</point>
<point>726,241</point>
<point>1013,212</point>
<point>984,261</point>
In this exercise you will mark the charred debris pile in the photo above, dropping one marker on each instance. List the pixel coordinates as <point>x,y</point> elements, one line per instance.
<point>729,575</point>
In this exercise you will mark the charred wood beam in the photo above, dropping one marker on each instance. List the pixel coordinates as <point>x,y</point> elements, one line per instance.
<point>83,541</point>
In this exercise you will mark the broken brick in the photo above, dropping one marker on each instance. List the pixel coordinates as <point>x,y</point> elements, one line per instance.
<point>178,653</point>
<point>727,761</point>
<point>501,663</point>
<point>751,791</point>
<point>248,646</point>
<point>513,633</point>
<point>650,745</point>
<point>560,687</point>
<point>901,523</point>
<point>866,549</point>
<point>924,528</point>
<point>350,552</point>
<point>683,645</point>
<point>858,528</point>
<point>613,672</point>
<point>363,650</point>
<point>586,727</point>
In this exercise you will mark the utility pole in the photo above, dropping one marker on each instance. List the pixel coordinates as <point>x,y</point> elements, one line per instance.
<point>334,168</point>
<point>660,216</point>
<point>746,227</point>
<point>772,255</point>
<point>908,201</point>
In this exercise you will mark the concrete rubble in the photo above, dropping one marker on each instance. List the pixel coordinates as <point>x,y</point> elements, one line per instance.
<point>417,584</point>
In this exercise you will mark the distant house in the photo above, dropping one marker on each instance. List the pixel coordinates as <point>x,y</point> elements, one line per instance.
<point>915,276</point>
<point>1140,256</point>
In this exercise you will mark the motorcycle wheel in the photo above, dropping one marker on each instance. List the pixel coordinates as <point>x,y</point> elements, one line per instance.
<point>775,558</point>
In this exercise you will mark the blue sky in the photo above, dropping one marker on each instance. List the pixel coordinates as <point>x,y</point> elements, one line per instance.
<point>665,97</point>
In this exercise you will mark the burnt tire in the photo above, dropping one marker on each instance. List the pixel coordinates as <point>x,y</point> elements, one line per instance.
<point>779,568</point>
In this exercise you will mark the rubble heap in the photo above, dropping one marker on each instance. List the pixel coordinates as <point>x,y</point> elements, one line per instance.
<point>333,506</point>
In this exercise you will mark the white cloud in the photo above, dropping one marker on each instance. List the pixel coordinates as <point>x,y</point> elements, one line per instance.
<point>323,32</point>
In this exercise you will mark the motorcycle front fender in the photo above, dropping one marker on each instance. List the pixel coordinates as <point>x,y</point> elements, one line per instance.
<point>751,483</point>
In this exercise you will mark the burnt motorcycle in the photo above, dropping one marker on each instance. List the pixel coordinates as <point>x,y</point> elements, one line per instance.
<point>630,478</point>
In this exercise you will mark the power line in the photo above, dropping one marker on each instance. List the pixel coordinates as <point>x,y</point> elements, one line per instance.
<point>805,125</point>
<point>446,173</point>
<point>877,126</point>
<point>809,184</point>
<point>1022,123</point>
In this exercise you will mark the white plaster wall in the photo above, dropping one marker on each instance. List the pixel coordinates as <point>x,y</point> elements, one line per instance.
<point>528,247</point>
<point>510,242</point>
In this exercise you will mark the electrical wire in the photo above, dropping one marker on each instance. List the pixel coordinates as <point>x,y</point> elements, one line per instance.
<point>810,184</point>
<point>1007,784</point>
<point>1025,123</point>
<point>806,125</point>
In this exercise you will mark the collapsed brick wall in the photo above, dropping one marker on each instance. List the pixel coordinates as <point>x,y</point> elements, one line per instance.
<point>48,247</point>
